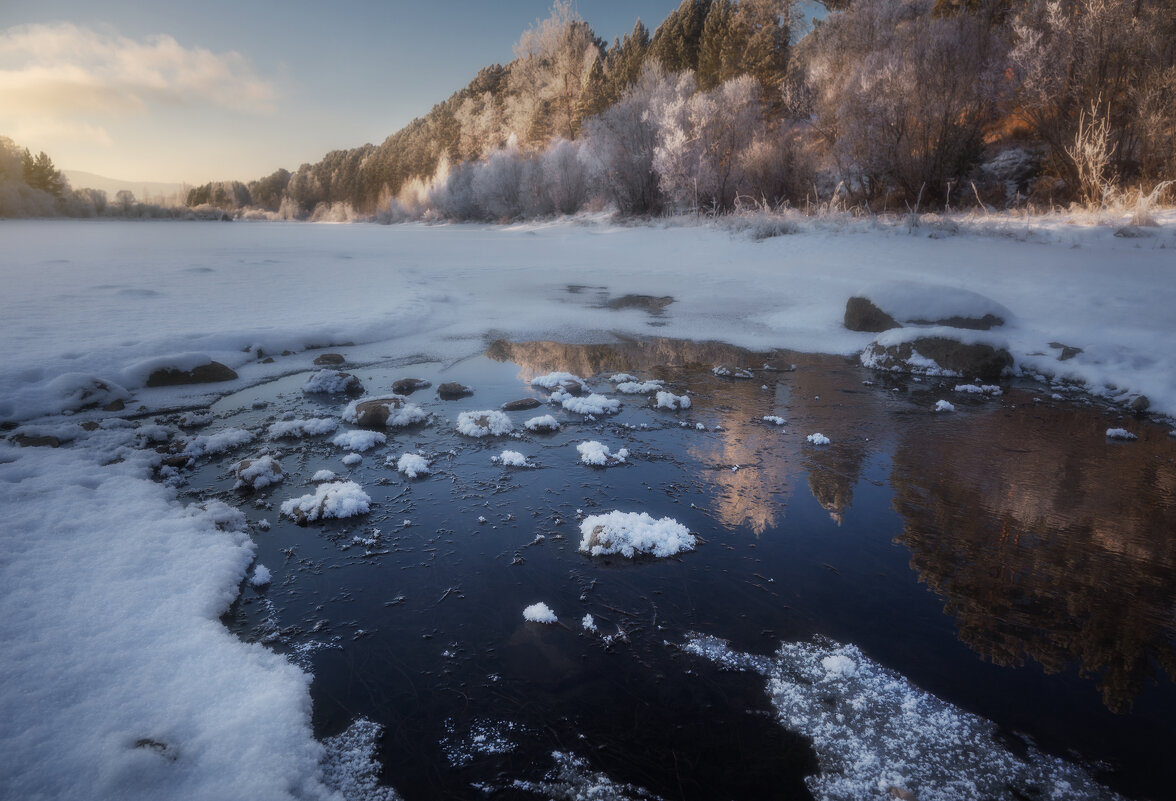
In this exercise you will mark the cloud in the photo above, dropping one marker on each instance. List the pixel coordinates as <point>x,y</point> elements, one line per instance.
<point>36,129</point>
<point>66,70</point>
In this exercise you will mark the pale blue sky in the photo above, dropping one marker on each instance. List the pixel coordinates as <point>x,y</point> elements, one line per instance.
<point>105,95</point>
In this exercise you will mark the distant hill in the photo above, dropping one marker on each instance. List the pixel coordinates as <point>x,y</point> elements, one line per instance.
<point>143,190</point>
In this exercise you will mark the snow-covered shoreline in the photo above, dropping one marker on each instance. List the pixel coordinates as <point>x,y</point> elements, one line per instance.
<point>109,299</point>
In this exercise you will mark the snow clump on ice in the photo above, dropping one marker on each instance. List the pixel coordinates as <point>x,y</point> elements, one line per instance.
<point>774,420</point>
<point>539,613</point>
<point>331,382</point>
<point>484,423</point>
<point>413,465</point>
<point>553,380</point>
<point>351,459</point>
<point>211,444</point>
<point>1120,434</point>
<point>258,473</point>
<point>622,378</point>
<point>818,439</point>
<point>400,412</point>
<point>668,400</point>
<point>944,406</point>
<point>261,576</point>
<point>639,387</point>
<point>359,440</point>
<point>511,459</point>
<point>543,422</point>
<point>872,730</point>
<point>323,475</point>
<point>592,404</point>
<point>302,428</point>
<point>597,454</point>
<point>337,499</point>
<point>979,389</point>
<point>588,623</point>
<point>632,533</point>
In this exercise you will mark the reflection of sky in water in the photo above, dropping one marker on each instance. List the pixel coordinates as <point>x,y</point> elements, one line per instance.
<point>1044,544</point>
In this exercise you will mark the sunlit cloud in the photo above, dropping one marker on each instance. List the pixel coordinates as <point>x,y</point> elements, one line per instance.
<point>66,70</point>
<point>37,129</point>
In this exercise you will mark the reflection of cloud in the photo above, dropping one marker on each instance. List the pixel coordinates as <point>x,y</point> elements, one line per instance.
<point>64,69</point>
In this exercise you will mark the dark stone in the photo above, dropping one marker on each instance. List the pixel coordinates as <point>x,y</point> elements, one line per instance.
<point>1140,404</point>
<point>451,390</point>
<point>116,405</point>
<point>970,361</point>
<point>287,353</point>
<point>175,460</point>
<point>90,425</point>
<point>1067,351</point>
<point>268,360</point>
<point>204,374</point>
<point>329,358</point>
<point>572,387</point>
<point>862,315</point>
<point>971,323</point>
<point>520,405</point>
<point>31,441</point>
<point>406,386</point>
<point>649,303</point>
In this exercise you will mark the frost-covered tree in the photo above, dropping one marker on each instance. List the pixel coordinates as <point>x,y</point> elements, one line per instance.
<point>551,66</point>
<point>702,139</point>
<point>902,95</point>
<point>620,143</point>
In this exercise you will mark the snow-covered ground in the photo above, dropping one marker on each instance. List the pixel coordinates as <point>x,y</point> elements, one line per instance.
<point>117,671</point>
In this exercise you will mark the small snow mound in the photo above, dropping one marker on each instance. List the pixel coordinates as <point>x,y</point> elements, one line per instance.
<point>484,423</point>
<point>337,499</point>
<point>261,576</point>
<point>212,444</point>
<point>539,613</point>
<point>623,378</point>
<point>818,439</point>
<point>312,427</point>
<point>359,440</point>
<point>774,420</point>
<point>632,533</point>
<point>351,459</point>
<point>323,475</point>
<point>1120,434</point>
<point>839,665</point>
<point>943,406</point>
<point>553,380</point>
<point>668,400</point>
<point>638,387</point>
<point>588,623</point>
<point>592,404</point>
<point>598,455</point>
<point>511,459</point>
<point>542,423</point>
<point>331,382</point>
<point>258,473</point>
<point>413,465</point>
<point>979,389</point>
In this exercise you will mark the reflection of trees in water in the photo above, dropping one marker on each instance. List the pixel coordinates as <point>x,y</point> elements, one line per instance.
<point>768,459</point>
<point>1047,542</point>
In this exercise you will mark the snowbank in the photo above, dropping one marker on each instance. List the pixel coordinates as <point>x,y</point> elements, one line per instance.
<point>336,499</point>
<point>928,302</point>
<point>633,533</point>
<point>119,679</point>
<point>872,730</point>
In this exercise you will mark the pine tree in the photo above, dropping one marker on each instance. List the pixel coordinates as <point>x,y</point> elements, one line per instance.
<point>711,69</point>
<point>39,173</point>
<point>675,44</point>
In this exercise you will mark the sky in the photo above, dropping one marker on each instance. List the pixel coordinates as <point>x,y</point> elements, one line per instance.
<point>223,89</point>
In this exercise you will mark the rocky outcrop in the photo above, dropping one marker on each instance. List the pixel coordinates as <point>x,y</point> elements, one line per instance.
<point>520,405</point>
<point>862,315</point>
<point>940,355</point>
<point>405,386</point>
<point>329,359</point>
<point>452,390</point>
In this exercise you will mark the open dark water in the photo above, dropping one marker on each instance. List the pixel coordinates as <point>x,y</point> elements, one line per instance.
<point>1005,557</point>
